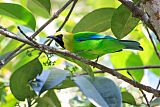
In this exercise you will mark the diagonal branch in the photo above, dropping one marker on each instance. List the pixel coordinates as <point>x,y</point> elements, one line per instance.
<point>67,17</point>
<point>52,50</point>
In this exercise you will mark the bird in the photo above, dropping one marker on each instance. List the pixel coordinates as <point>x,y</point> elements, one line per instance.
<point>92,45</point>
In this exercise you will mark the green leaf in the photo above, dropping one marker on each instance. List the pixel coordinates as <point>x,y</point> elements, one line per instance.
<point>122,22</point>
<point>96,21</point>
<point>11,101</point>
<point>3,56</point>
<point>101,91</point>
<point>149,56</point>
<point>49,79</point>
<point>40,7</point>
<point>119,60</point>
<point>135,60</point>
<point>19,81</point>
<point>154,60</point>
<point>128,98</point>
<point>18,14</point>
<point>49,100</point>
<point>84,66</point>
<point>23,58</point>
<point>11,45</point>
<point>1,38</point>
<point>2,93</point>
<point>128,59</point>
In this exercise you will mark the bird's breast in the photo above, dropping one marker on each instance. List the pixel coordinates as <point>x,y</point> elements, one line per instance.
<point>68,42</point>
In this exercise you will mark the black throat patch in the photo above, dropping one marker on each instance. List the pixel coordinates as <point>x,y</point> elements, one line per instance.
<point>59,40</point>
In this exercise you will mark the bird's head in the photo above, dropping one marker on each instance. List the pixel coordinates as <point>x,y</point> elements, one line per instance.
<point>58,37</point>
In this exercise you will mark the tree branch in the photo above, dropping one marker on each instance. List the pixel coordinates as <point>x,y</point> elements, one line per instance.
<point>52,50</point>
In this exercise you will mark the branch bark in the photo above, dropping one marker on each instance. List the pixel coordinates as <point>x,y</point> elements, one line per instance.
<point>152,7</point>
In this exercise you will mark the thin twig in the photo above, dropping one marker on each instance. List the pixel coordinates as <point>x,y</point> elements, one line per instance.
<point>67,17</point>
<point>138,67</point>
<point>154,45</point>
<point>29,38</point>
<point>144,95</point>
<point>157,89</point>
<point>52,50</point>
<point>23,33</point>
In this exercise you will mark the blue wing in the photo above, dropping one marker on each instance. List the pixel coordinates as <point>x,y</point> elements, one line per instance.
<point>83,36</point>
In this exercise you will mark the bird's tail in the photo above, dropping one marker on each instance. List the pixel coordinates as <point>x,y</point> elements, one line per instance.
<point>132,45</point>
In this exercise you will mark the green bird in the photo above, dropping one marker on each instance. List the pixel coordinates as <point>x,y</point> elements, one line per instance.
<point>92,45</point>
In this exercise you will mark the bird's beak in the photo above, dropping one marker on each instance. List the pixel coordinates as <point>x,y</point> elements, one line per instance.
<point>51,36</point>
